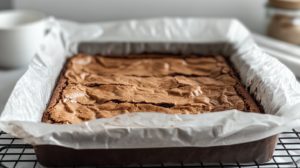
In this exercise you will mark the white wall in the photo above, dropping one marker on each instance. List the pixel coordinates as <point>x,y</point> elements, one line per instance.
<point>250,12</point>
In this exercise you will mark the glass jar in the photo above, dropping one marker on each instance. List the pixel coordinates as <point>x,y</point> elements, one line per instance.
<point>283,20</point>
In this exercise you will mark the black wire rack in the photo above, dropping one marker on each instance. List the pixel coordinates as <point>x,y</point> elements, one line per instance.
<point>14,153</point>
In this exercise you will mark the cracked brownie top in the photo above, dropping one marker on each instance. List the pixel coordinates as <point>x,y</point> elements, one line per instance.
<point>92,87</point>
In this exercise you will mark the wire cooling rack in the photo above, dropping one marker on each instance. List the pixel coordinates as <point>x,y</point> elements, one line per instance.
<point>14,153</point>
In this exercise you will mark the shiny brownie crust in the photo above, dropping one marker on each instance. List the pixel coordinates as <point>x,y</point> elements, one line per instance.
<point>114,85</point>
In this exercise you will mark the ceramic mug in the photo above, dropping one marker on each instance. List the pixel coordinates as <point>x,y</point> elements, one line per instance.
<point>21,32</point>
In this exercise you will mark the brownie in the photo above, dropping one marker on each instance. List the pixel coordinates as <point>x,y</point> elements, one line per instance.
<point>92,87</point>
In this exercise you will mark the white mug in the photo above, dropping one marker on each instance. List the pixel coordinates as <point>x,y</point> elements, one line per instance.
<point>21,32</point>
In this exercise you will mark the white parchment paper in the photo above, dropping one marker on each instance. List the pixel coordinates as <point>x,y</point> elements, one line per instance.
<point>273,85</point>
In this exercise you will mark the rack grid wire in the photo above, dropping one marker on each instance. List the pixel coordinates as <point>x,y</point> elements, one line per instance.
<point>14,153</point>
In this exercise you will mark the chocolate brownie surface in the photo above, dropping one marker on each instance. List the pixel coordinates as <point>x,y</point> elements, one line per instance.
<point>92,87</point>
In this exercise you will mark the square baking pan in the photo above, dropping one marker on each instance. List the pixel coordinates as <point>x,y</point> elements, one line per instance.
<point>206,138</point>
<point>259,151</point>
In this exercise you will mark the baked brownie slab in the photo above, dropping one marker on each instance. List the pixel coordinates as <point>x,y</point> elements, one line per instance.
<point>92,87</point>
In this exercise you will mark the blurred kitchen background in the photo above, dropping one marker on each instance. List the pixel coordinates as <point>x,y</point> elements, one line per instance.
<point>250,12</point>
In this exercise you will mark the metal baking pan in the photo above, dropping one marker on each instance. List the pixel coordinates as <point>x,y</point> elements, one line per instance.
<point>259,151</point>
